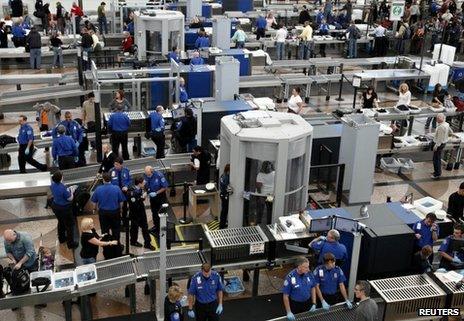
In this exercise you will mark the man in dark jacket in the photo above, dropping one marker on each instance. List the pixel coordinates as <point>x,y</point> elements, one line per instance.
<point>86,43</point>
<point>35,46</point>
<point>304,16</point>
<point>16,8</point>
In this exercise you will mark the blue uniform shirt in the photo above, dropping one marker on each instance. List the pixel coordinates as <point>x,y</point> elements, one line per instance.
<point>26,133</point>
<point>18,31</point>
<point>121,178</point>
<point>119,122</point>
<point>205,289</point>
<point>337,249</point>
<point>108,197</point>
<point>60,194</point>
<point>197,61</point>
<point>183,96</point>
<point>155,182</point>
<point>202,42</point>
<point>425,232</point>
<point>261,23</point>
<point>157,122</point>
<point>444,247</point>
<point>324,29</point>
<point>298,286</point>
<point>329,280</point>
<point>64,146</point>
<point>173,55</point>
<point>73,129</point>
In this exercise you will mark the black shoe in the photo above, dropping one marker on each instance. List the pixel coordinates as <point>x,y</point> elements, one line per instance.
<point>61,241</point>
<point>137,244</point>
<point>150,247</point>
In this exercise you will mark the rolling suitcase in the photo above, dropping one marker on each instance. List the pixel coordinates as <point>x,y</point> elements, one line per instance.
<point>82,196</point>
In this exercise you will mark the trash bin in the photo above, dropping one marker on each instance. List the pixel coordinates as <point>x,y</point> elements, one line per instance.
<point>390,164</point>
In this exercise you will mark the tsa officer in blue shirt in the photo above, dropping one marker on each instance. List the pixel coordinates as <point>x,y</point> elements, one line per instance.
<point>157,131</point>
<point>330,283</point>
<point>299,291</point>
<point>119,124</point>
<point>196,59</point>
<point>448,257</point>
<point>426,231</point>
<point>121,177</point>
<point>329,244</point>
<point>64,149</point>
<point>261,24</point>
<point>72,127</point>
<point>183,95</point>
<point>206,291</point>
<point>202,40</point>
<point>174,54</point>
<point>26,146</point>
<point>156,186</point>
<point>108,199</point>
<point>62,208</point>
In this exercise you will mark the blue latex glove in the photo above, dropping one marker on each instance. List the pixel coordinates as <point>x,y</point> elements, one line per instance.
<point>325,305</point>
<point>77,144</point>
<point>152,194</point>
<point>313,308</point>
<point>55,162</point>
<point>191,314</point>
<point>219,309</point>
<point>456,260</point>
<point>349,304</point>
<point>26,152</point>
<point>76,159</point>
<point>322,238</point>
<point>290,316</point>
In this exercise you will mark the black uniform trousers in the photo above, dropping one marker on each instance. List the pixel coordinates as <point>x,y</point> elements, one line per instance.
<point>300,307</point>
<point>155,204</point>
<point>110,220</point>
<point>120,138</point>
<point>65,217</point>
<point>224,211</point>
<point>330,299</point>
<point>23,159</point>
<point>66,162</point>
<point>206,311</point>
<point>138,218</point>
<point>160,141</point>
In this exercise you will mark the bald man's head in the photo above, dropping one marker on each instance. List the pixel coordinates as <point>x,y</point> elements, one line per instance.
<point>9,236</point>
<point>148,170</point>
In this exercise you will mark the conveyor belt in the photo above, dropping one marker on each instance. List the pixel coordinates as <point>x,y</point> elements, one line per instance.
<point>235,236</point>
<point>184,261</point>
<point>23,185</point>
<point>259,81</point>
<point>119,267</point>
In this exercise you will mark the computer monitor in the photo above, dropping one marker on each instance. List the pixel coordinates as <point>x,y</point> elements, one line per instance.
<point>323,224</point>
<point>177,113</point>
<point>346,224</point>
<point>456,245</point>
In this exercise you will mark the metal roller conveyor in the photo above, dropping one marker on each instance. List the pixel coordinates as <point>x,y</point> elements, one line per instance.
<point>17,301</point>
<point>114,268</point>
<point>457,293</point>
<point>111,274</point>
<point>183,262</point>
<point>405,295</point>
<point>237,244</point>
<point>138,120</point>
<point>337,312</point>
<point>87,174</point>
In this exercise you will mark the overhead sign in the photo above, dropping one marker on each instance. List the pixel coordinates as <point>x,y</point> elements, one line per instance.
<point>397,11</point>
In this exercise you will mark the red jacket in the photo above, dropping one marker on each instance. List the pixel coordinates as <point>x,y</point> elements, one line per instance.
<point>127,44</point>
<point>75,10</point>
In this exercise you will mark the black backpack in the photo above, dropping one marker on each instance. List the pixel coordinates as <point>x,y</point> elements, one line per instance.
<point>112,251</point>
<point>17,279</point>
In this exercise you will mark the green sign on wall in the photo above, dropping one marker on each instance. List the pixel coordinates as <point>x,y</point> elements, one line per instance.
<point>396,11</point>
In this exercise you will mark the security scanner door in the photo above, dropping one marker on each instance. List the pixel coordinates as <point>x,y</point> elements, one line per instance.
<point>264,148</point>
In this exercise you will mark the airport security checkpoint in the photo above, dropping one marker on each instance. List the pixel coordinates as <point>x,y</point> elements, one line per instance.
<point>249,160</point>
